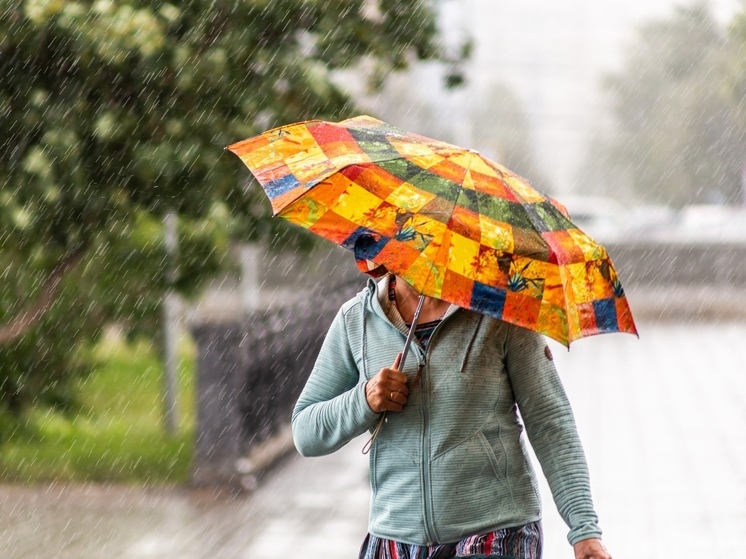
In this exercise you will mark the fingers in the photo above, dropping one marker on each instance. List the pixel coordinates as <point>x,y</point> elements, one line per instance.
<point>387,390</point>
<point>385,396</point>
<point>393,379</point>
<point>397,362</point>
<point>398,398</point>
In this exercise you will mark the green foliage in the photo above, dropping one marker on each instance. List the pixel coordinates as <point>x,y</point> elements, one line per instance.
<point>113,113</point>
<point>115,433</point>
<point>680,134</point>
<point>118,281</point>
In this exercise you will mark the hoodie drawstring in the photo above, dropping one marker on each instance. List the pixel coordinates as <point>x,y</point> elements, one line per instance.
<point>470,344</point>
<point>369,444</point>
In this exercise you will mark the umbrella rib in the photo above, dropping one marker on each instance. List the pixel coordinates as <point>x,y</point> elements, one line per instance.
<point>443,247</point>
<point>537,226</point>
<point>461,192</point>
<point>332,171</point>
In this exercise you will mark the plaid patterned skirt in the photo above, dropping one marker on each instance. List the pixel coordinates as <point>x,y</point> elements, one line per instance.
<point>521,542</point>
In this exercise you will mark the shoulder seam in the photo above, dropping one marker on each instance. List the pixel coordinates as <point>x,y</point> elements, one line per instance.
<point>349,305</point>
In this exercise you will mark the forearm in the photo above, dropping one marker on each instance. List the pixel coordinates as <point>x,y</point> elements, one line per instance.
<point>560,454</point>
<point>552,431</point>
<point>321,427</point>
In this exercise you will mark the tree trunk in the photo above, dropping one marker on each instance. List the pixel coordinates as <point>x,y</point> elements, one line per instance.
<point>29,317</point>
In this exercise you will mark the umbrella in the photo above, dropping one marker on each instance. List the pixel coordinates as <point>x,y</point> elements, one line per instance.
<point>450,222</point>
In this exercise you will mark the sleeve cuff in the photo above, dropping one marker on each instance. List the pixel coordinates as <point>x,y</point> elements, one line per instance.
<point>584,532</point>
<point>362,409</point>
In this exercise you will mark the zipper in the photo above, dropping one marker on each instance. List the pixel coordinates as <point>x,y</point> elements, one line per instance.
<point>430,529</point>
<point>422,361</point>
<point>425,462</point>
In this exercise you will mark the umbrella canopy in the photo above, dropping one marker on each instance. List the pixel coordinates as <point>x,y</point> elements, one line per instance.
<point>450,222</point>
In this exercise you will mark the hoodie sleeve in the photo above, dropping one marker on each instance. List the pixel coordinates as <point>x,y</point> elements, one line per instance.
<point>551,429</point>
<point>332,408</point>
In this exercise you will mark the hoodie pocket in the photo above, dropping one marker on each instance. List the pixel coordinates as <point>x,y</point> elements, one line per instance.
<point>389,461</point>
<point>469,486</point>
<point>499,469</point>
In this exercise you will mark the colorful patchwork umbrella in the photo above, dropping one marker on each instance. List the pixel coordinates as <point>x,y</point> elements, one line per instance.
<point>452,223</point>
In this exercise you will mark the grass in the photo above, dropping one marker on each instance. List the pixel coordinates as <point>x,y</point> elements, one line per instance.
<point>118,434</point>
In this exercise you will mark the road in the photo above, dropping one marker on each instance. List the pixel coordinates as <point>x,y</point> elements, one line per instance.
<point>662,418</point>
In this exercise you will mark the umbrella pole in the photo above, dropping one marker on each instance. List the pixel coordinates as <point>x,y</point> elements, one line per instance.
<point>405,351</point>
<point>410,336</point>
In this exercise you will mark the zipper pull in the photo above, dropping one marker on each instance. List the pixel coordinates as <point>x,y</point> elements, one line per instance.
<point>418,378</point>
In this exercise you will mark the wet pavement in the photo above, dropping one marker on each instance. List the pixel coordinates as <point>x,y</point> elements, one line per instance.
<point>663,420</point>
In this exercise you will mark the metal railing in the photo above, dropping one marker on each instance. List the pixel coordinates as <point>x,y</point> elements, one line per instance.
<point>249,374</point>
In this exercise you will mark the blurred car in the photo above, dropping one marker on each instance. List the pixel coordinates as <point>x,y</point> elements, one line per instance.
<point>603,218</point>
<point>712,223</point>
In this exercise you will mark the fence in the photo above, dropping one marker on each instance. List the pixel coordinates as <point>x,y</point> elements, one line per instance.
<point>676,279</point>
<point>250,373</point>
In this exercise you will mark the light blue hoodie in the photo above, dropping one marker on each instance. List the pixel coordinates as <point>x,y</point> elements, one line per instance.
<point>453,462</point>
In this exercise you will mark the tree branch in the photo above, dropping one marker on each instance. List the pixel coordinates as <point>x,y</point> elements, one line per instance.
<point>30,317</point>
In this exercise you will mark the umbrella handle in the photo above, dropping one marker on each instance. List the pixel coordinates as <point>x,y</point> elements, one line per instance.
<point>405,351</point>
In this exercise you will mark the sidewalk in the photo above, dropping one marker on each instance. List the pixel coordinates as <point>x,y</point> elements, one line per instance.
<point>663,420</point>
<point>304,508</point>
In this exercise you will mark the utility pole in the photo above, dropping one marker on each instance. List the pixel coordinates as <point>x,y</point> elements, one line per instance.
<point>251,260</point>
<point>170,323</point>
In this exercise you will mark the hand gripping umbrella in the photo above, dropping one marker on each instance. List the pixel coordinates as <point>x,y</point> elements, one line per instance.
<point>453,224</point>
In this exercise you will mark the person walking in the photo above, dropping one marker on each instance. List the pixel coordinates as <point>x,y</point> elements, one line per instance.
<point>449,470</point>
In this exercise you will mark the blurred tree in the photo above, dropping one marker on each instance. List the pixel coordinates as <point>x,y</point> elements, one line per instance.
<point>502,131</point>
<point>113,113</point>
<point>677,137</point>
<point>734,91</point>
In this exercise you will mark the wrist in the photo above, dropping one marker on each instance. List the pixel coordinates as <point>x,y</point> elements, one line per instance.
<point>367,398</point>
<point>591,548</point>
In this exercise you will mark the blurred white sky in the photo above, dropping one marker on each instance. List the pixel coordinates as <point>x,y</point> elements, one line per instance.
<point>551,54</point>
